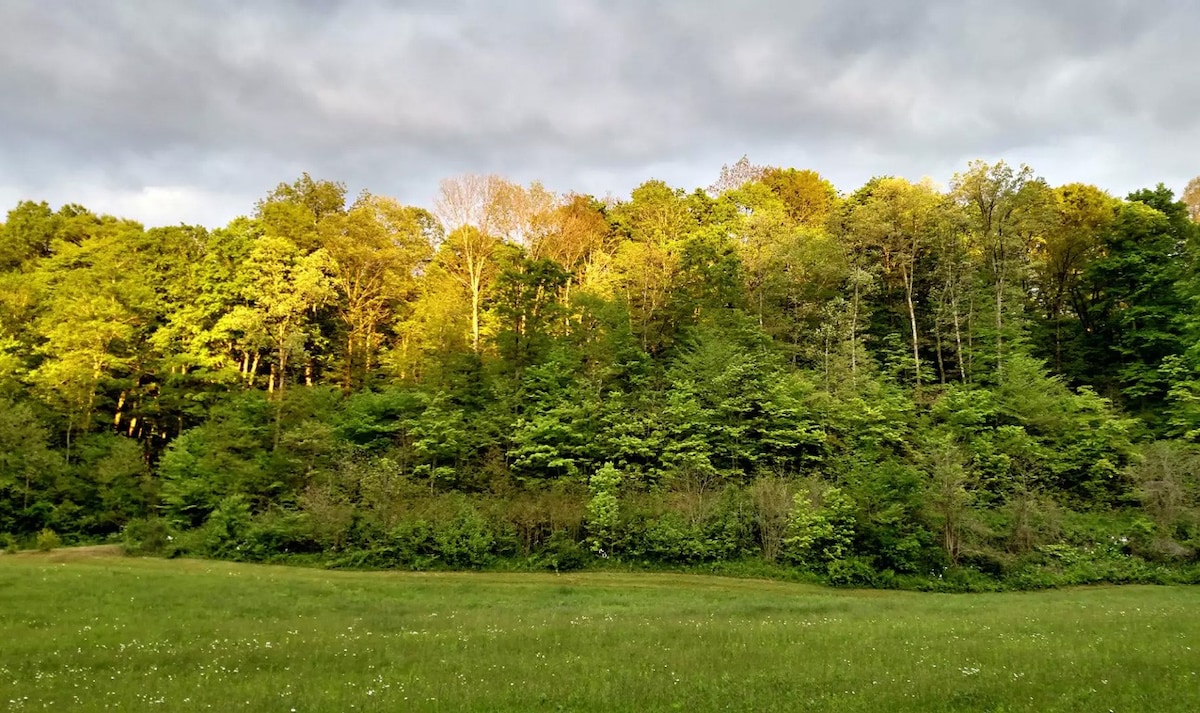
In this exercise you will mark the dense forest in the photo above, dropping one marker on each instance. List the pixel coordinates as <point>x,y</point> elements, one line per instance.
<point>996,383</point>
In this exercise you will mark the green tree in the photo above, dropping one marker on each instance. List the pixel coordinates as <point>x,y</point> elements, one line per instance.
<point>604,510</point>
<point>375,251</point>
<point>281,287</point>
<point>808,199</point>
<point>1008,212</point>
<point>1083,213</point>
<point>27,234</point>
<point>28,468</point>
<point>901,221</point>
<point>1132,316</point>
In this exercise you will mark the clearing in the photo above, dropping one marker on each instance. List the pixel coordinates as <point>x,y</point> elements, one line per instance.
<point>93,631</point>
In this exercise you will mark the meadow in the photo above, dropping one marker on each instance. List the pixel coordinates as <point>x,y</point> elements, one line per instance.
<point>97,631</point>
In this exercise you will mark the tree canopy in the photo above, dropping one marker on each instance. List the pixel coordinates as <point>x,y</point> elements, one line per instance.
<point>901,379</point>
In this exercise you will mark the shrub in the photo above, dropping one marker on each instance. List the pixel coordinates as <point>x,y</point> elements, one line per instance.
<point>465,541</point>
<point>279,533</point>
<point>226,528</point>
<point>819,534</point>
<point>603,510</point>
<point>413,544</point>
<point>671,539</point>
<point>48,540</point>
<point>852,572</point>
<point>150,536</point>
<point>562,553</point>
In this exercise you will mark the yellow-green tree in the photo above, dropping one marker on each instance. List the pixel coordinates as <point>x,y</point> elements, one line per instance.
<point>375,251</point>
<point>900,220</point>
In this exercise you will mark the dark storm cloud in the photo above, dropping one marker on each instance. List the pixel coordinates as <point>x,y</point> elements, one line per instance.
<point>189,111</point>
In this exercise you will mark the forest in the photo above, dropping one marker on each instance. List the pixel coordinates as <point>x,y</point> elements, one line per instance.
<point>990,384</point>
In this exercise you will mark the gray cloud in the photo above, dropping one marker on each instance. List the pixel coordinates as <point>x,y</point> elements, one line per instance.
<point>192,110</point>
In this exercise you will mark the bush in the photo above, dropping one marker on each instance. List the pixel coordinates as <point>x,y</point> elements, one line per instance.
<point>226,528</point>
<point>279,533</point>
<point>671,539</point>
<point>150,536</point>
<point>562,553</point>
<point>413,544</point>
<point>48,540</point>
<point>465,541</point>
<point>852,572</point>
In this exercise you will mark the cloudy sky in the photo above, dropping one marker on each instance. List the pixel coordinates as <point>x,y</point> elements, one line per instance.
<point>189,111</point>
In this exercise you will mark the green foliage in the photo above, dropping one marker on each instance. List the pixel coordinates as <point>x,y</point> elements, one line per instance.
<point>28,467</point>
<point>150,536</point>
<point>604,510</point>
<point>48,540</point>
<point>1133,320</point>
<point>226,528</point>
<point>562,553</point>
<point>225,456</point>
<point>819,535</point>
<point>904,383</point>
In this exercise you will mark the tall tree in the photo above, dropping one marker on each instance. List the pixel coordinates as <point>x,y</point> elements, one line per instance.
<point>654,225</point>
<point>1009,210</point>
<point>808,198</point>
<point>1082,213</point>
<point>282,286</point>
<point>470,258</point>
<point>735,176</point>
<point>27,234</point>
<point>1191,198</point>
<point>375,252</point>
<point>1134,309</point>
<point>901,220</point>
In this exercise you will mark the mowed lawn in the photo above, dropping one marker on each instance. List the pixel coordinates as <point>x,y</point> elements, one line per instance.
<point>90,633</point>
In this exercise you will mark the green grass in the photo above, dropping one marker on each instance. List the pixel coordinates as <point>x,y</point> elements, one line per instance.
<point>92,633</point>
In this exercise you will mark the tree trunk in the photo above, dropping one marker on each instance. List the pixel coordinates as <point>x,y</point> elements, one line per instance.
<point>912,321</point>
<point>252,375</point>
<point>958,343</point>
<point>348,376</point>
<point>937,335</point>
<point>854,337</point>
<point>120,406</point>
<point>475,289</point>
<point>999,330</point>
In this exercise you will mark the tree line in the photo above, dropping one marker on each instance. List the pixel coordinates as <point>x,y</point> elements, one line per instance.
<point>996,381</point>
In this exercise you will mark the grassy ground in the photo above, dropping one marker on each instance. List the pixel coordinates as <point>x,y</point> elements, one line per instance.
<point>93,632</point>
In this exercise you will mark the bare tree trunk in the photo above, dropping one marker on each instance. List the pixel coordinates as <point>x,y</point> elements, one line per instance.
<point>958,343</point>
<point>854,338</point>
<point>475,318</point>
<point>999,328</point>
<point>120,406</point>
<point>970,338</point>
<point>912,321</point>
<point>937,335</point>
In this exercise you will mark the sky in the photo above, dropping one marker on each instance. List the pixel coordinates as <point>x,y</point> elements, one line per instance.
<point>190,111</point>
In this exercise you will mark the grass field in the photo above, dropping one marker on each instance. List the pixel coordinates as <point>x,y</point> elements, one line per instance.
<point>88,632</point>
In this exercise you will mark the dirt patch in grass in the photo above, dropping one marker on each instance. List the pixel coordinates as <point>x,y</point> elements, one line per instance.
<point>69,554</point>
